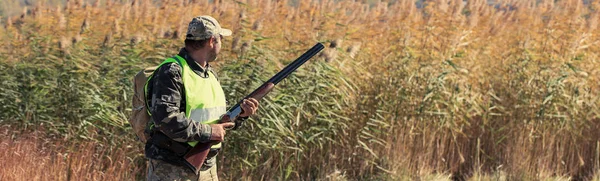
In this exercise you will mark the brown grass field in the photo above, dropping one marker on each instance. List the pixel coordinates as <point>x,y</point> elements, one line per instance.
<point>439,90</point>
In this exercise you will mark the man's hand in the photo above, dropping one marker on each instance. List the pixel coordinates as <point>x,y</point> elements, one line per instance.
<point>249,107</point>
<point>218,130</point>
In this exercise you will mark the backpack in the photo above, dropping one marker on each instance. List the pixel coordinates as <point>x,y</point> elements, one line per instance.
<point>140,118</point>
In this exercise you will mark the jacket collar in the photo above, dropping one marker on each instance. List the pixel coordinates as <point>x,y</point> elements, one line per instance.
<point>202,72</point>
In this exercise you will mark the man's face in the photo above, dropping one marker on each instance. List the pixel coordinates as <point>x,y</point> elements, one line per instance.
<point>216,48</point>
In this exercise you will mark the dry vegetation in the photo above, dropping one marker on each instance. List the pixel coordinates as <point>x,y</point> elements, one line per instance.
<point>29,156</point>
<point>503,91</point>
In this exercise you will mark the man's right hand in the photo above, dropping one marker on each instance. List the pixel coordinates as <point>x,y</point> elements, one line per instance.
<point>218,130</point>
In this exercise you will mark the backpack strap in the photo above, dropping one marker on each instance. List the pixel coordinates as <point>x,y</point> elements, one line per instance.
<point>150,125</point>
<point>151,77</point>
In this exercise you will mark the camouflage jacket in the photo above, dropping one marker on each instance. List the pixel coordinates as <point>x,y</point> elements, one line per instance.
<point>166,98</point>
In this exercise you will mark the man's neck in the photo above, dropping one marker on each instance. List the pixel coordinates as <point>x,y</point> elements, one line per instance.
<point>199,58</point>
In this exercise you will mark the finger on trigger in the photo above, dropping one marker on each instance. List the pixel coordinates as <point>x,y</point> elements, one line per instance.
<point>228,125</point>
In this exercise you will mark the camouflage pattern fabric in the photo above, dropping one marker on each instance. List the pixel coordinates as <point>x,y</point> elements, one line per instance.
<point>160,171</point>
<point>204,27</point>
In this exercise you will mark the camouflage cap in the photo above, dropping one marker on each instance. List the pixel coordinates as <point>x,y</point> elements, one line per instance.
<point>204,27</point>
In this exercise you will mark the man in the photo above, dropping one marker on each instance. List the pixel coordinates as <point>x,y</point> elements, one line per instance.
<point>186,102</point>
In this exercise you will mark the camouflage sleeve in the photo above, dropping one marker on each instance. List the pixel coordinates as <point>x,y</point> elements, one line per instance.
<point>168,111</point>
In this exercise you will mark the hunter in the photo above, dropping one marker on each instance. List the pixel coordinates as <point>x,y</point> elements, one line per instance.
<point>186,103</point>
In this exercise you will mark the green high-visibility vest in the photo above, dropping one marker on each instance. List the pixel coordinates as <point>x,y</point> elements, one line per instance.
<point>204,97</point>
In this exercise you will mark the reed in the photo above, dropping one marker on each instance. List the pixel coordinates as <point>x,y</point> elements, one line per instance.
<point>426,90</point>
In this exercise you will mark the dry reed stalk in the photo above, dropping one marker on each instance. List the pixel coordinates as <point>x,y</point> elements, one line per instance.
<point>80,3</point>
<point>246,46</point>
<point>110,3</point>
<point>329,55</point>
<point>84,26</point>
<point>126,12</point>
<point>203,3</point>
<point>235,43</point>
<point>68,6</point>
<point>96,4</point>
<point>353,50</point>
<point>8,24</point>
<point>24,13</point>
<point>108,38</point>
<point>180,28</point>
<point>64,43</point>
<point>135,11</point>
<point>155,17</point>
<point>62,21</point>
<point>138,38</point>
<point>257,26</point>
<point>145,16</point>
<point>116,27</point>
<point>76,39</point>
<point>35,12</point>
<point>124,34</point>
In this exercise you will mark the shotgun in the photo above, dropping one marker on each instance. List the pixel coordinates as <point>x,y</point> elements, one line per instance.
<point>196,156</point>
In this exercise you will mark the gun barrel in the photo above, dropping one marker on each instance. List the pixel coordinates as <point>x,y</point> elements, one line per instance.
<point>286,71</point>
<point>236,110</point>
<point>296,63</point>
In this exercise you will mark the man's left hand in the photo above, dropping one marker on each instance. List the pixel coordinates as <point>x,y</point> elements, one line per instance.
<point>249,107</point>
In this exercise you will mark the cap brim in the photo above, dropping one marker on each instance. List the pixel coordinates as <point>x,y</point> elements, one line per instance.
<point>225,32</point>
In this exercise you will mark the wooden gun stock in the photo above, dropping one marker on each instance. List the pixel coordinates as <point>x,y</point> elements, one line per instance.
<point>196,156</point>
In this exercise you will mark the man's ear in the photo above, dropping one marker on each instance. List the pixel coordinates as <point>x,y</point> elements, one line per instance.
<point>212,41</point>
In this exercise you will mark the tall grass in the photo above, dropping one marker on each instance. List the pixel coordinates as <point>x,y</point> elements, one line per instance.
<point>440,89</point>
<point>29,155</point>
